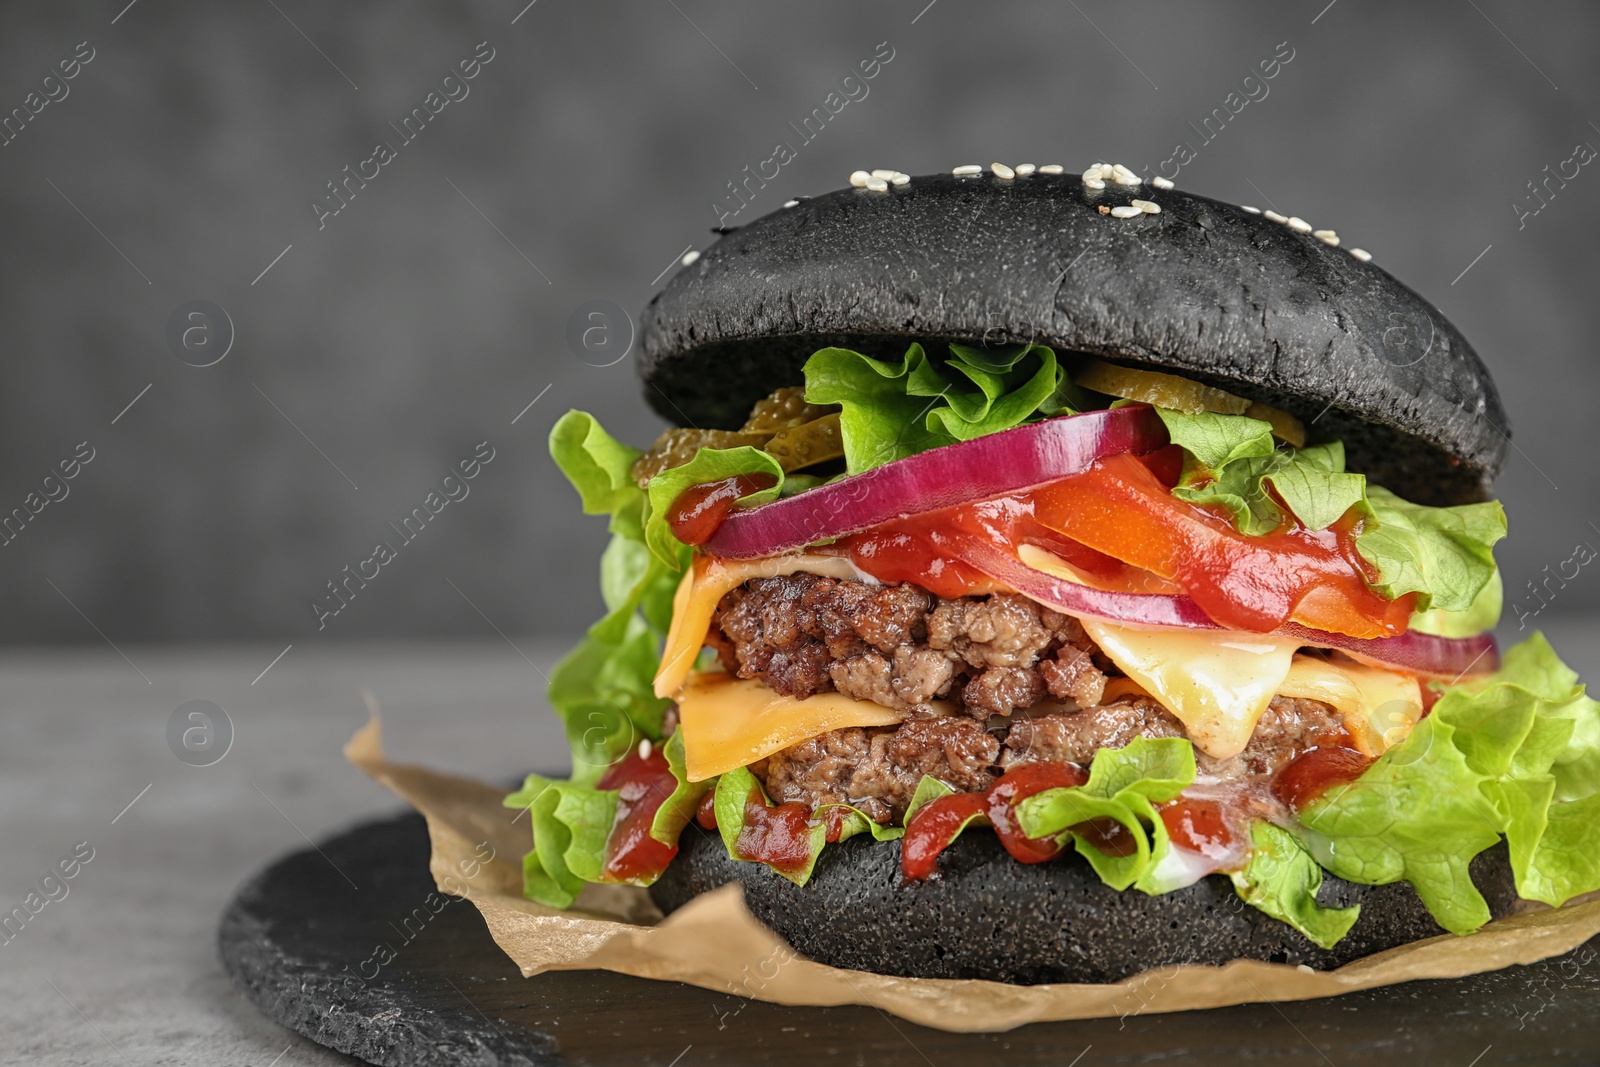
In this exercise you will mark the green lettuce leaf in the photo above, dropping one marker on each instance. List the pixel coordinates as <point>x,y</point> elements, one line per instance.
<point>1490,760</point>
<point>1282,880</point>
<point>928,788</point>
<point>856,822</point>
<point>708,465</point>
<point>603,689</point>
<point>1358,832</point>
<point>1314,485</point>
<point>603,692</point>
<point>1572,861</point>
<point>1533,665</point>
<point>890,411</point>
<point>1124,785</point>
<point>799,483</point>
<point>623,565</point>
<point>572,822</point>
<point>600,468</point>
<point>570,827</point>
<point>1238,490</point>
<point>1231,462</point>
<point>1214,441</point>
<point>679,807</point>
<point>1444,554</point>
<point>1481,615</point>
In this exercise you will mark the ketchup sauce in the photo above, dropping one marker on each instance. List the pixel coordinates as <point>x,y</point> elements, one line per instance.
<point>834,819</point>
<point>934,825</point>
<point>705,813</point>
<point>1017,785</point>
<point>932,828</point>
<point>894,554</point>
<point>1199,826</point>
<point>700,509</point>
<point>779,835</point>
<point>632,855</point>
<point>1165,463</point>
<point>1314,772</point>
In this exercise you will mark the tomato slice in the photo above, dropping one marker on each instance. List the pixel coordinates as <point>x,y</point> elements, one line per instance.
<point>1254,583</point>
<point>1119,526</point>
<point>904,552</point>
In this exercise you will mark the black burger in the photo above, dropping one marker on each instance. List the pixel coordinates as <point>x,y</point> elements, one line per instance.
<point>1055,575</point>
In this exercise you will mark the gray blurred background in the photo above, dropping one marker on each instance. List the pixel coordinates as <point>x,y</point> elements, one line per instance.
<point>374,349</point>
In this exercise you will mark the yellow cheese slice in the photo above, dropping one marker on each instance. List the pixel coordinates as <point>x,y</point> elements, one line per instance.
<point>1379,707</point>
<point>706,582</point>
<point>1047,562</point>
<point>1216,682</point>
<point>1137,581</point>
<point>730,722</point>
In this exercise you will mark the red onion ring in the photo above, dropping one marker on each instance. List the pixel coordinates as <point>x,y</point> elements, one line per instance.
<point>1006,462</point>
<point>1418,653</point>
<point>1441,657</point>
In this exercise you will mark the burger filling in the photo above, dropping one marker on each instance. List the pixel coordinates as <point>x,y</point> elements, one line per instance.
<point>986,684</point>
<point>1100,611</point>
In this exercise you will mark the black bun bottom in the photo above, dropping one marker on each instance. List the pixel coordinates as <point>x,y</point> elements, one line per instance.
<point>988,916</point>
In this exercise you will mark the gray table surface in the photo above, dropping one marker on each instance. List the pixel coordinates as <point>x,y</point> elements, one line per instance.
<point>123,969</point>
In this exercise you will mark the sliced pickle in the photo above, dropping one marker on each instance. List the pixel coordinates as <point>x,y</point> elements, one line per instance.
<point>796,433</point>
<point>1285,427</point>
<point>1158,389</point>
<point>784,409</point>
<point>677,446</point>
<point>807,444</point>
<point>1180,394</point>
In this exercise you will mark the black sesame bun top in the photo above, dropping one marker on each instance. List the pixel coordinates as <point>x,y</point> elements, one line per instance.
<point>1203,289</point>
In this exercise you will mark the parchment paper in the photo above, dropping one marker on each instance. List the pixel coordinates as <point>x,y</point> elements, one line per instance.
<point>715,943</point>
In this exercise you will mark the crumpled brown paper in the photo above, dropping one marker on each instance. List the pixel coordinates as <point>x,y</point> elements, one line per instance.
<point>715,943</point>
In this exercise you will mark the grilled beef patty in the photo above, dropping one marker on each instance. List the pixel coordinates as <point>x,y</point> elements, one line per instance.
<point>993,658</point>
<point>903,647</point>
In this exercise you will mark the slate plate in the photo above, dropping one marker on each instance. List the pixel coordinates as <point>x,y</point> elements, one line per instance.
<point>347,945</point>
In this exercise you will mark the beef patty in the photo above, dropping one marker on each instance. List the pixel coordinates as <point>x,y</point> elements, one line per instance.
<point>991,656</point>
<point>903,647</point>
<point>877,768</point>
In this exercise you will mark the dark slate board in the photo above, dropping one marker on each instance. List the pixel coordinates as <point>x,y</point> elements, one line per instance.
<point>297,938</point>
